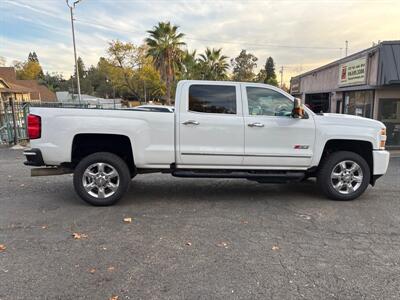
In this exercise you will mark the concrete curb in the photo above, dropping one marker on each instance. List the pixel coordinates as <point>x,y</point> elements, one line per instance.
<point>394,153</point>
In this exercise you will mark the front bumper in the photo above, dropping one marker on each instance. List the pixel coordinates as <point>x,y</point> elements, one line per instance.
<point>381,161</point>
<point>33,158</point>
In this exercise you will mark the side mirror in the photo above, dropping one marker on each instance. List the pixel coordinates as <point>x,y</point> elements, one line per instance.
<point>298,110</point>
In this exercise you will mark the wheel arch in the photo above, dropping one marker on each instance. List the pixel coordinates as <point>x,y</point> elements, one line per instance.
<point>84,144</point>
<point>361,147</point>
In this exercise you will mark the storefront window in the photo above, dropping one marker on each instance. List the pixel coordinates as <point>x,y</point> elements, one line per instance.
<point>318,103</point>
<point>359,103</point>
<point>389,114</point>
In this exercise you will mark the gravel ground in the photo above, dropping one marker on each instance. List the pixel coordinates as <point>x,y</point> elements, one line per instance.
<point>196,239</point>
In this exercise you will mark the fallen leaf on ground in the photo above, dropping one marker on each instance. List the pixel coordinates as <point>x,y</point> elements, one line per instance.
<point>92,271</point>
<point>128,220</point>
<point>188,244</point>
<point>114,298</point>
<point>305,217</point>
<point>2,247</point>
<point>79,236</point>
<point>275,248</point>
<point>223,244</point>
<point>44,227</point>
<point>244,222</point>
<point>110,269</point>
<point>22,185</point>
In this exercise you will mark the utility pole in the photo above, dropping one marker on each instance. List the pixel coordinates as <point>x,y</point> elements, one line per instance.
<point>71,8</point>
<point>281,71</point>
<point>346,48</point>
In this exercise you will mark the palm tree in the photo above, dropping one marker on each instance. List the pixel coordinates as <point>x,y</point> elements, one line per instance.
<point>190,67</point>
<point>214,65</point>
<point>165,48</point>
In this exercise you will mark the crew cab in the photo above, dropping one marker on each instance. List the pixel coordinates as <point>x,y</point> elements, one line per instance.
<point>217,130</point>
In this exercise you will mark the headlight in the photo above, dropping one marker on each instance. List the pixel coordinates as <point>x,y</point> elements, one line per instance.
<point>382,142</point>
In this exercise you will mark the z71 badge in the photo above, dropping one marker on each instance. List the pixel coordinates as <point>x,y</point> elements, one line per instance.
<point>301,146</point>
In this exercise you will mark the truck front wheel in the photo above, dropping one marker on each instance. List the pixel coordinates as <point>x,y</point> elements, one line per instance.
<point>343,175</point>
<point>101,178</point>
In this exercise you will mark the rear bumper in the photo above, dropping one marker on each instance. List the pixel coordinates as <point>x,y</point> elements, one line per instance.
<point>381,161</point>
<point>33,158</point>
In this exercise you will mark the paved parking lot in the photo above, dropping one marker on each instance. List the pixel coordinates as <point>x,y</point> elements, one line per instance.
<point>196,239</point>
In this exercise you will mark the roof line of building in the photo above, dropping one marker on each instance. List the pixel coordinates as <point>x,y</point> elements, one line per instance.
<point>346,58</point>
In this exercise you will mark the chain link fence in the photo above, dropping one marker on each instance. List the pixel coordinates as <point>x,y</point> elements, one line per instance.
<point>13,115</point>
<point>13,123</point>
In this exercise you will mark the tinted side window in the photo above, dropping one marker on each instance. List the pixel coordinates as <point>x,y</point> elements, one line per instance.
<point>218,99</point>
<point>266,102</point>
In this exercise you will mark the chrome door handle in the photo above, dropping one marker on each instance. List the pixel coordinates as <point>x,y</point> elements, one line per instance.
<point>190,122</point>
<point>255,124</point>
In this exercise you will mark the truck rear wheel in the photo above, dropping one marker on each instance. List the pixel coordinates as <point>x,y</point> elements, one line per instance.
<point>101,178</point>
<point>344,176</point>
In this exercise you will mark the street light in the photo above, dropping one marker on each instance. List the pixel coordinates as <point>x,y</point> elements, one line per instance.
<point>71,7</point>
<point>108,80</point>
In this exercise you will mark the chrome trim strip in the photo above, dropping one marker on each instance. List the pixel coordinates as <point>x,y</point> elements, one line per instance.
<point>247,155</point>
<point>29,153</point>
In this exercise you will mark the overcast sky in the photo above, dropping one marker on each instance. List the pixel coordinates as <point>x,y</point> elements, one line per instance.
<point>299,35</point>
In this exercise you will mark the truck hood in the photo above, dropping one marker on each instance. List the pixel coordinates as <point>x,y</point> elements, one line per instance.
<point>350,120</point>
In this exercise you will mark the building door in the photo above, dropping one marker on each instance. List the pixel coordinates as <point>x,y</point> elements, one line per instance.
<point>318,103</point>
<point>389,114</point>
<point>338,106</point>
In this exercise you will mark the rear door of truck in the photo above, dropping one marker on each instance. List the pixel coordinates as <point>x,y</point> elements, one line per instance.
<point>210,125</point>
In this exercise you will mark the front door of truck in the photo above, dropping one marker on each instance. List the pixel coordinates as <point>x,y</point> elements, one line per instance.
<point>210,125</point>
<point>272,137</point>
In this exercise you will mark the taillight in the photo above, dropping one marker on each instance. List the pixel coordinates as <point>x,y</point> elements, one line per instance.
<point>34,126</point>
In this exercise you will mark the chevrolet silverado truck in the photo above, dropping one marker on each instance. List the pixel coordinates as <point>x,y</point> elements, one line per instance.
<point>217,130</point>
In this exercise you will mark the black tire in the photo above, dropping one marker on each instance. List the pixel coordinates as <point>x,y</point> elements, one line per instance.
<point>110,159</point>
<point>325,183</point>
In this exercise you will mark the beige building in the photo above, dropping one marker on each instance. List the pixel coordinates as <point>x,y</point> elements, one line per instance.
<point>19,92</point>
<point>22,90</point>
<point>366,84</point>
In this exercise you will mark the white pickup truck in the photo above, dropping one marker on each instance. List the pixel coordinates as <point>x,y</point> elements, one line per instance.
<point>218,130</point>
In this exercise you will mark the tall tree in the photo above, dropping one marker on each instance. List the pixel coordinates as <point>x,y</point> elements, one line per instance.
<point>260,77</point>
<point>55,82</point>
<point>270,75</point>
<point>33,57</point>
<point>214,65</point>
<point>243,66</point>
<point>28,70</point>
<point>123,58</point>
<point>99,79</point>
<point>165,45</point>
<point>85,82</point>
<point>131,72</point>
<point>190,68</point>
<point>81,68</point>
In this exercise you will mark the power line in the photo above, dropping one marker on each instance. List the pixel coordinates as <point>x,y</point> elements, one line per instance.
<point>247,43</point>
<point>111,28</point>
<point>264,45</point>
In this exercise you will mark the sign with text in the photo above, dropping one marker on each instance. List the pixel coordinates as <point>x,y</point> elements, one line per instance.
<point>295,86</point>
<point>353,72</point>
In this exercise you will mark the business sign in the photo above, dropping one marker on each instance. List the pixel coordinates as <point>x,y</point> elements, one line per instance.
<point>295,86</point>
<point>353,72</point>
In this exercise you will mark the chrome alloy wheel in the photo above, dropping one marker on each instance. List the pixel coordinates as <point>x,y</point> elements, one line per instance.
<point>346,177</point>
<point>100,180</point>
